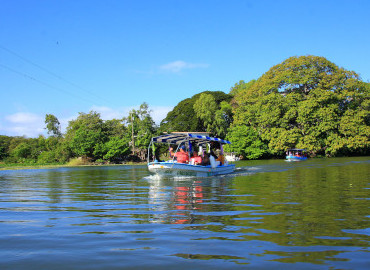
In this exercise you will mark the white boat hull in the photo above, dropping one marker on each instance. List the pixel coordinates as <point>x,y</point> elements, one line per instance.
<point>173,169</point>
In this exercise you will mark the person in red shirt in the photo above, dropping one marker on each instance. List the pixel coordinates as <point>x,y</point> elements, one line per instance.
<point>181,155</point>
<point>196,159</point>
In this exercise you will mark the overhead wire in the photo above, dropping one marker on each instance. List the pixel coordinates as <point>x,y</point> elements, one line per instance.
<point>50,73</point>
<point>44,83</point>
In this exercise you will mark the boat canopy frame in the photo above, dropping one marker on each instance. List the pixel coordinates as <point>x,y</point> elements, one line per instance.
<point>181,137</point>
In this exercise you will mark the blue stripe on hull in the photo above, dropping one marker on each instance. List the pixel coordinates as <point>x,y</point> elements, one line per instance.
<point>295,158</point>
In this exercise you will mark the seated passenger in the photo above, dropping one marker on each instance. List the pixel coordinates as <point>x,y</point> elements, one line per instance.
<point>213,161</point>
<point>196,159</point>
<point>205,160</point>
<point>212,158</point>
<point>172,154</point>
<point>182,156</point>
<point>221,157</point>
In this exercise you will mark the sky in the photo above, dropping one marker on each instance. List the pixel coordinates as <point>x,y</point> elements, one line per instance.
<point>65,57</point>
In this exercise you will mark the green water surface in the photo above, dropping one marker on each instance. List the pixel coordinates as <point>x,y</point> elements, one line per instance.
<point>312,214</point>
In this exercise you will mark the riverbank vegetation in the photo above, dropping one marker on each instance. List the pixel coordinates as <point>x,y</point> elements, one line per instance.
<point>305,102</point>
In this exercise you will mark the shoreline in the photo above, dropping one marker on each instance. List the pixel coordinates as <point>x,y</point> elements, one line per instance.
<point>14,166</point>
<point>35,167</point>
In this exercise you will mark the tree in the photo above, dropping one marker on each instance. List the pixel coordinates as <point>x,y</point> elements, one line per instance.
<point>22,151</point>
<point>84,133</point>
<point>215,118</point>
<point>53,125</point>
<point>184,117</point>
<point>181,118</point>
<point>241,86</point>
<point>115,127</point>
<point>307,102</point>
<point>246,142</point>
<point>55,150</point>
<point>4,146</point>
<point>205,108</point>
<point>223,119</point>
<point>141,129</point>
<point>116,149</point>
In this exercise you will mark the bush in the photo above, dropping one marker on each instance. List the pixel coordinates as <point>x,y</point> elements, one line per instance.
<point>47,157</point>
<point>78,161</point>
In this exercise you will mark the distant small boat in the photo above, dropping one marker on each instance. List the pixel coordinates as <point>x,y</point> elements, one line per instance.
<point>172,168</point>
<point>296,154</point>
<point>231,157</point>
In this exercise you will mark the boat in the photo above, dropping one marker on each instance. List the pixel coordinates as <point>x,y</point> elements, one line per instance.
<point>231,157</point>
<point>296,154</point>
<point>172,168</point>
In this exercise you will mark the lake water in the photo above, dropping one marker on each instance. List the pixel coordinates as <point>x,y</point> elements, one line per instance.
<point>268,214</point>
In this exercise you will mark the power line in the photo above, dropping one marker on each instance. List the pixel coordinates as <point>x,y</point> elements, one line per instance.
<point>50,73</point>
<point>44,83</point>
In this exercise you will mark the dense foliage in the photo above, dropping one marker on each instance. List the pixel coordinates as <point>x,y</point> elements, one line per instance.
<point>88,137</point>
<point>199,113</point>
<point>39,150</point>
<point>304,102</point>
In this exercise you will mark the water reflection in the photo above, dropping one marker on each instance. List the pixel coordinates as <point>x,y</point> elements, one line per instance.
<point>185,200</point>
<point>174,207</point>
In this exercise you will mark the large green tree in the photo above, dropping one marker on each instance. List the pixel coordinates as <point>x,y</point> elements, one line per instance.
<point>307,102</point>
<point>205,108</point>
<point>186,116</point>
<point>215,118</point>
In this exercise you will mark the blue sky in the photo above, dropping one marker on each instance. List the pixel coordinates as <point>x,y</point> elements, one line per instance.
<point>66,57</point>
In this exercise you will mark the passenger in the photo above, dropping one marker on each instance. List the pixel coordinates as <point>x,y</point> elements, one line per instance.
<point>205,161</point>
<point>196,159</point>
<point>182,156</point>
<point>221,157</point>
<point>172,154</point>
<point>212,159</point>
<point>212,153</point>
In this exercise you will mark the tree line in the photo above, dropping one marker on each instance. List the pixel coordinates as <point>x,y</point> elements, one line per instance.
<point>304,102</point>
<point>87,137</point>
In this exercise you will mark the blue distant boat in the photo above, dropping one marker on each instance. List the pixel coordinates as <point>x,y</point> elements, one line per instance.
<point>296,154</point>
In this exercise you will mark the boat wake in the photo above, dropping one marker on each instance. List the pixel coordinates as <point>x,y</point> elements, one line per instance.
<point>161,177</point>
<point>245,171</point>
<point>239,171</point>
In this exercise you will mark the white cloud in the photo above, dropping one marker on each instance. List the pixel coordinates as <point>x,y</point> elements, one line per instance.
<point>22,118</point>
<point>178,66</point>
<point>23,124</point>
